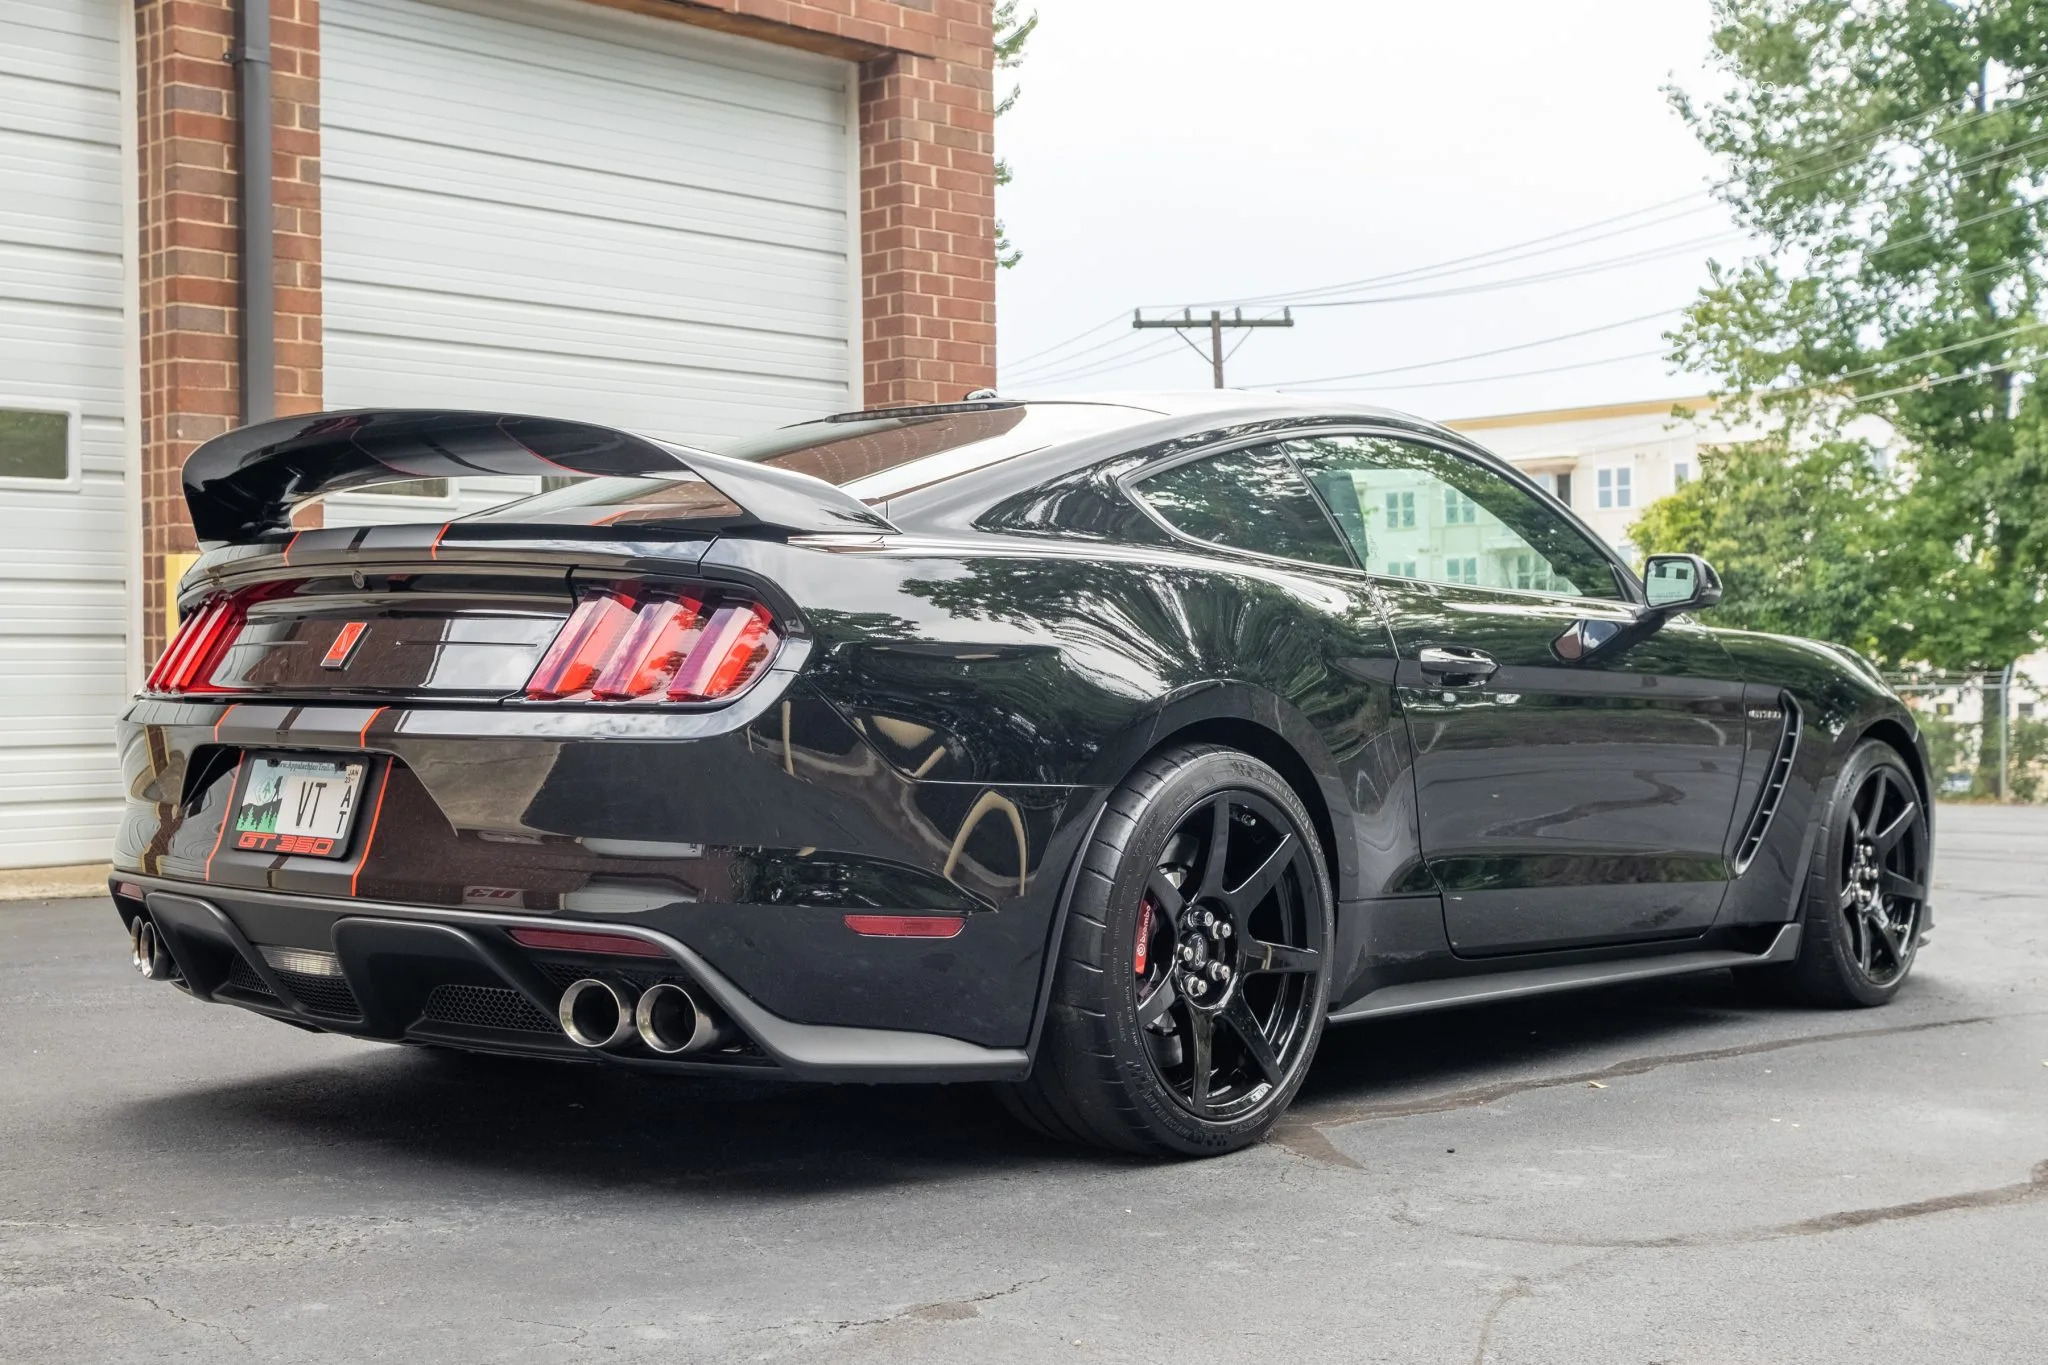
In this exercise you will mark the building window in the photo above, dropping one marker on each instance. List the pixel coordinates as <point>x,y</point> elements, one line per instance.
<point>407,488</point>
<point>1561,485</point>
<point>1459,510</point>
<point>1532,573</point>
<point>1462,569</point>
<point>1614,488</point>
<point>1681,473</point>
<point>1401,568</point>
<point>1400,511</point>
<point>35,445</point>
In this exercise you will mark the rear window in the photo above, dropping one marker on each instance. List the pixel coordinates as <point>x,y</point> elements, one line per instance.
<point>873,457</point>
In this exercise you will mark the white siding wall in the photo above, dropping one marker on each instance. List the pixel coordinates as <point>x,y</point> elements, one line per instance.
<point>63,547</point>
<point>581,214</point>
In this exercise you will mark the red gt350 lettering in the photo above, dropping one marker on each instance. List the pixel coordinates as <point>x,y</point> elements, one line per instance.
<point>259,842</point>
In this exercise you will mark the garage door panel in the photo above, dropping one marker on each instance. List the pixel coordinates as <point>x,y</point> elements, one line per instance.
<point>67,354</point>
<point>47,834</point>
<point>672,403</point>
<point>614,52</point>
<point>575,213</point>
<point>455,182</point>
<point>63,551</point>
<point>550,261</point>
<point>613,130</point>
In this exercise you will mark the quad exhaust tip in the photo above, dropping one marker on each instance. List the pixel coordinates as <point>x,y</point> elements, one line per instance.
<point>146,950</point>
<point>595,1013</point>
<point>670,1019</point>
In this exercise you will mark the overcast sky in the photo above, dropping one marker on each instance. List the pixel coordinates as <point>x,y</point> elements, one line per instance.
<point>1210,150</point>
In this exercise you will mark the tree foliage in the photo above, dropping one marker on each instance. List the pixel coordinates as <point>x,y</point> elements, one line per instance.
<point>1892,158</point>
<point>1011,35</point>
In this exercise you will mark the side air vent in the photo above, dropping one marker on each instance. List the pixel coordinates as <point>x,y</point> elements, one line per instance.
<point>1774,788</point>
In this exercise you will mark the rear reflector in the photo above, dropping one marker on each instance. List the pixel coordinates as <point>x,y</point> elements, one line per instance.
<point>187,666</point>
<point>906,926</point>
<point>630,644</point>
<point>572,941</point>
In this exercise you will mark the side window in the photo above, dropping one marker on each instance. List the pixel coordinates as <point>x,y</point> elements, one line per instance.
<point>1248,500</point>
<point>1426,513</point>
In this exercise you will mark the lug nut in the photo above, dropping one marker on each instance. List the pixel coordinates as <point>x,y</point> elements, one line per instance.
<point>1205,919</point>
<point>1197,986</point>
<point>1187,954</point>
<point>1222,928</point>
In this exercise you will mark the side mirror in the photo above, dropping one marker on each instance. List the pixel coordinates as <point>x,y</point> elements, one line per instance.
<point>1675,583</point>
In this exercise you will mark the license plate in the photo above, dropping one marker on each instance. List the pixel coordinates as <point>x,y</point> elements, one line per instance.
<point>304,806</point>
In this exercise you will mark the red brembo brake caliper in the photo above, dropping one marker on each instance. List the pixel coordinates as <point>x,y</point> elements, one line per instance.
<point>1144,934</point>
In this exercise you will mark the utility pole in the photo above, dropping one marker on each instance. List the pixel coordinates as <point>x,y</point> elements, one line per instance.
<point>1215,322</point>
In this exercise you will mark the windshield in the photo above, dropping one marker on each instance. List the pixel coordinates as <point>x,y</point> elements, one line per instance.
<point>872,456</point>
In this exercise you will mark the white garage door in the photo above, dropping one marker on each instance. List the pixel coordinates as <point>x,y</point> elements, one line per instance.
<point>565,210</point>
<point>63,520</point>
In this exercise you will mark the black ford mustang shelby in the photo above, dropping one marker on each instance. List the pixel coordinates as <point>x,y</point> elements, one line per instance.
<point>1105,750</point>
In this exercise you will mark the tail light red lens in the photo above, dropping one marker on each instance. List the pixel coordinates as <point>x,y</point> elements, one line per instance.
<point>634,644</point>
<point>187,666</point>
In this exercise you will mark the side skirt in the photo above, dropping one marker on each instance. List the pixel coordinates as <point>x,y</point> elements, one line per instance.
<point>1410,997</point>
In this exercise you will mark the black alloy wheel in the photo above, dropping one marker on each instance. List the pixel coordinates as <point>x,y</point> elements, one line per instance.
<point>1867,888</point>
<point>1225,955</point>
<point>1881,876</point>
<point>1193,974</point>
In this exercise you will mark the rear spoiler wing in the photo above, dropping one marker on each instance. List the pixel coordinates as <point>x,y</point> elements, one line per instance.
<point>243,486</point>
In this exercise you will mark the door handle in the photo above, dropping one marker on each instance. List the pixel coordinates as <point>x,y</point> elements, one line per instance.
<point>1456,667</point>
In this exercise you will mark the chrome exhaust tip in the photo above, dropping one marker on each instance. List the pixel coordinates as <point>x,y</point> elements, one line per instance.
<point>596,1014</point>
<point>147,952</point>
<point>672,1020</point>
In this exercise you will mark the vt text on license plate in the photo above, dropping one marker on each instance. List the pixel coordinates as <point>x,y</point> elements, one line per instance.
<point>298,805</point>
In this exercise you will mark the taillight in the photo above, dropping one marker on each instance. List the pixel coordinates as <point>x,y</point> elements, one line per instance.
<point>187,666</point>
<point>636,644</point>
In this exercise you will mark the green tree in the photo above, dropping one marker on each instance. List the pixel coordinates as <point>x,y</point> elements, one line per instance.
<point>1892,158</point>
<point>1011,35</point>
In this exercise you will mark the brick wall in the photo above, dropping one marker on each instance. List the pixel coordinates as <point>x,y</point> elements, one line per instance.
<point>927,229</point>
<point>187,112</point>
<point>928,215</point>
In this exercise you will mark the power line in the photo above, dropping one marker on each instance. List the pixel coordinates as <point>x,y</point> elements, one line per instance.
<point>1473,261</point>
<point>1156,349</point>
<point>1475,355</point>
<point>1078,336</point>
<point>1489,378</point>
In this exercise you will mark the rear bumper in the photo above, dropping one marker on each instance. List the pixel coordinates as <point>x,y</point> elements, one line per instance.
<point>742,837</point>
<point>393,958</point>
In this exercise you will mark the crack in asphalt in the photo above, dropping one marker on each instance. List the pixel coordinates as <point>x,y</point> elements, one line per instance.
<point>945,1310</point>
<point>176,1316</point>
<point>2034,1187</point>
<point>1303,1131</point>
<point>1518,1288</point>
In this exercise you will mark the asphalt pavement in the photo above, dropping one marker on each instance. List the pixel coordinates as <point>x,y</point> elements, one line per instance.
<point>1661,1173</point>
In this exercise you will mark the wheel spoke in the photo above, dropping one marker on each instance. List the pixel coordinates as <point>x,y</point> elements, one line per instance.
<point>1245,898</point>
<point>1154,1006</point>
<point>1239,1016</point>
<point>1260,957</point>
<point>1214,856</point>
<point>1888,838</point>
<point>1859,925</point>
<point>1199,1063</point>
<point>1902,886</point>
<point>1845,898</point>
<point>1884,930</point>
<point>1166,896</point>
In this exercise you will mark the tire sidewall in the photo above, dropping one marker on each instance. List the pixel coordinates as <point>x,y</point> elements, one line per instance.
<point>1202,777</point>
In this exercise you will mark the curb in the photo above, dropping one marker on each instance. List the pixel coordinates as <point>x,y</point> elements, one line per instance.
<point>55,883</point>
